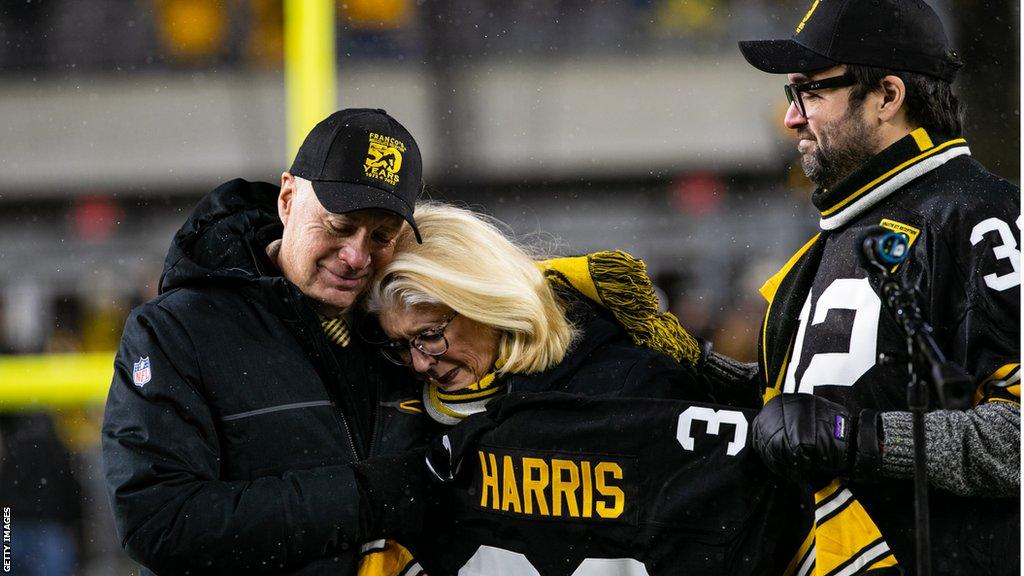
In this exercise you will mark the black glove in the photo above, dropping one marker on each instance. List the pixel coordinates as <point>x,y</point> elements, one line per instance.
<point>446,453</point>
<point>392,494</point>
<point>731,382</point>
<point>808,438</point>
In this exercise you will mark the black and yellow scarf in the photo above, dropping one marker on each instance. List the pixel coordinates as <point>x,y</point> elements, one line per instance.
<point>612,279</point>
<point>619,283</point>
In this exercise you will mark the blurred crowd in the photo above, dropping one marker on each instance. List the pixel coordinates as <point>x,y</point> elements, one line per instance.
<point>74,36</point>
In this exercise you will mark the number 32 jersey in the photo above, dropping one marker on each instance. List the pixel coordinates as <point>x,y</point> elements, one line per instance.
<point>964,227</point>
<point>826,324</point>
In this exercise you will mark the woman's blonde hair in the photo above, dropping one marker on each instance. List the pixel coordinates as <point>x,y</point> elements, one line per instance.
<point>467,264</point>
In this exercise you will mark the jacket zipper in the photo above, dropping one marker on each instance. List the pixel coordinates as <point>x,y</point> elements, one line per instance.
<point>371,373</point>
<point>348,433</point>
<point>319,342</point>
<point>340,412</point>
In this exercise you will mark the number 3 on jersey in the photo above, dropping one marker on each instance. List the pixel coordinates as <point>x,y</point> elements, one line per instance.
<point>1005,250</point>
<point>838,368</point>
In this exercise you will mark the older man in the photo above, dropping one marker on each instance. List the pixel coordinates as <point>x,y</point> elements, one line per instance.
<point>246,429</point>
<point>878,129</point>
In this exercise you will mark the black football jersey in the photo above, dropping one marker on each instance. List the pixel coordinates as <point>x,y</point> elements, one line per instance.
<point>965,268</point>
<point>964,227</point>
<point>827,325</point>
<point>568,485</point>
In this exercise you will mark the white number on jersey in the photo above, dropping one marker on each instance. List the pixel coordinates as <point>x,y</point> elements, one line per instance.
<point>714,418</point>
<point>1007,250</point>
<point>491,561</point>
<point>838,368</point>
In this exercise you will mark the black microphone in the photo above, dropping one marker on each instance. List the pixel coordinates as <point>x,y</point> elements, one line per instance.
<point>881,249</point>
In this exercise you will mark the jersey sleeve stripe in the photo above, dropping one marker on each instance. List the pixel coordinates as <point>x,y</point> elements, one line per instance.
<point>833,507</point>
<point>1003,385</point>
<point>871,553</point>
<point>1005,372</point>
<point>807,566</point>
<point>372,547</point>
<point>413,568</point>
<point>846,540</point>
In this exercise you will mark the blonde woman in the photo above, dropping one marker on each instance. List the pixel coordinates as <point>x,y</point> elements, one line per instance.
<point>474,315</point>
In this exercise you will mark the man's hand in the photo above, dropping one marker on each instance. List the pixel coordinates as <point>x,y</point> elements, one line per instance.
<point>808,438</point>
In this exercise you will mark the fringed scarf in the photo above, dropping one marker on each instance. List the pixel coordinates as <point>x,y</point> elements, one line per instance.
<point>619,282</point>
<point>616,281</point>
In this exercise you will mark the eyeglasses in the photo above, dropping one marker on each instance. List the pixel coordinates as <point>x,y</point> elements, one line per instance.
<point>431,342</point>
<point>793,90</point>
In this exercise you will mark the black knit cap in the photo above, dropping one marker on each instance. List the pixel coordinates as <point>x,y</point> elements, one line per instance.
<point>361,158</point>
<point>894,34</point>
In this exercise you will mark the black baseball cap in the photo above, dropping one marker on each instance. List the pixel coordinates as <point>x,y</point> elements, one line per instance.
<point>361,158</point>
<point>901,35</point>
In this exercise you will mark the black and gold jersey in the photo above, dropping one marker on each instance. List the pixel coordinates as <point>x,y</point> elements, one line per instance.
<point>826,325</point>
<point>964,227</point>
<point>571,485</point>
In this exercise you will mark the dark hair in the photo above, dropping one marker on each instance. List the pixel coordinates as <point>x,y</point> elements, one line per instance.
<point>930,102</point>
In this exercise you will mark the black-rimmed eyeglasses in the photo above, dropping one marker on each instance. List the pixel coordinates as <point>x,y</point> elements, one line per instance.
<point>431,342</point>
<point>793,91</point>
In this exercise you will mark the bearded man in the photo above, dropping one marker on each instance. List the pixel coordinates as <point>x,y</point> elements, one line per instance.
<point>878,129</point>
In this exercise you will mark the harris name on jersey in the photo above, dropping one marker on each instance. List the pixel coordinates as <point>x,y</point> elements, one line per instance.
<point>587,487</point>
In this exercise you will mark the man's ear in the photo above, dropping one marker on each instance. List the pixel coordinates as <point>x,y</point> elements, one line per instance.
<point>893,93</point>
<point>286,199</point>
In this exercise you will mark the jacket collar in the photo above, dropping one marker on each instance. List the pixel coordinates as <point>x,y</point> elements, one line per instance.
<point>889,170</point>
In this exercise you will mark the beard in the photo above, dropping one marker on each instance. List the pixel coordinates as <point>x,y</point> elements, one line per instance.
<point>841,147</point>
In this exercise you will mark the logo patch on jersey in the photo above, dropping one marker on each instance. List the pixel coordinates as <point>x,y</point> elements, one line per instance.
<point>588,487</point>
<point>384,158</point>
<point>911,232</point>
<point>141,373</point>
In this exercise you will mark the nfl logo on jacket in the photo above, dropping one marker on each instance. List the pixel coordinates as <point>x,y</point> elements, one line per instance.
<point>141,373</point>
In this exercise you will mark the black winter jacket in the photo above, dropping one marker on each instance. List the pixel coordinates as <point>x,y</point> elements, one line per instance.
<point>229,432</point>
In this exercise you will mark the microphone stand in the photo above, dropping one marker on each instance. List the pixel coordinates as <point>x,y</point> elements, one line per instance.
<point>881,253</point>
